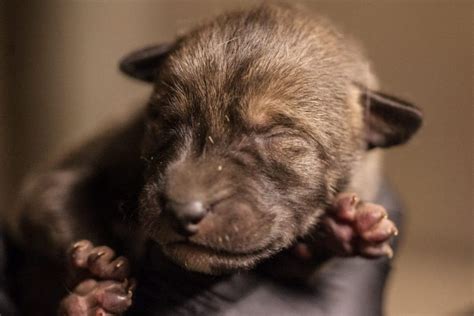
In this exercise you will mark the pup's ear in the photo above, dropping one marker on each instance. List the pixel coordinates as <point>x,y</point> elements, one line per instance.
<point>143,64</point>
<point>388,121</point>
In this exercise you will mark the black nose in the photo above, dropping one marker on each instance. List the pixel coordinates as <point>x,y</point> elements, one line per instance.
<point>186,215</point>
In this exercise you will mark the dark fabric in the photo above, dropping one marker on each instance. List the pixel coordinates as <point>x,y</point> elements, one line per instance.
<point>353,286</point>
<point>6,305</point>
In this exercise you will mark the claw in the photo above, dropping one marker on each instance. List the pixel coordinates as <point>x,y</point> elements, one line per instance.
<point>131,287</point>
<point>98,255</point>
<point>389,252</point>
<point>354,200</point>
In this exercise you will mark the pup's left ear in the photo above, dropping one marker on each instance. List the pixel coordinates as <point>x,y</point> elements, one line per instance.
<point>144,64</point>
<point>388,121</point>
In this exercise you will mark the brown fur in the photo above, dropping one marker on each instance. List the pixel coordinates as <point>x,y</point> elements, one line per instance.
<point>250,91</point>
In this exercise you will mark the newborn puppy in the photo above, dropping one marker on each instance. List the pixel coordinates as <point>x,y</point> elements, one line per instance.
<point>258,123</point>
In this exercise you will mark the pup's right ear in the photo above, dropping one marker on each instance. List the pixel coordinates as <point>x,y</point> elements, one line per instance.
<point>389,121</point>
<point>143,64</point>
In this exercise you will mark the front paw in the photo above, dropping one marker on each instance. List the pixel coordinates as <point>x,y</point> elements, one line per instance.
<point>359,228</point>
<point>104,289</point>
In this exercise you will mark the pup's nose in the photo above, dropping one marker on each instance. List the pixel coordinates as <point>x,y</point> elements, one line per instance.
<point>187,215</point>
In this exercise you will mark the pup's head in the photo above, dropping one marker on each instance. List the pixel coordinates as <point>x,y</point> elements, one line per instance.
<point>255,123</point>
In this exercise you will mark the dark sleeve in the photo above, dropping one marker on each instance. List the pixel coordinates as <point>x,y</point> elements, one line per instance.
<point>345,286</point>
<point>6,305</point>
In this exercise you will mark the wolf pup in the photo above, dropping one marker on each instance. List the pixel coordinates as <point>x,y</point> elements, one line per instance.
<point>259,123</point>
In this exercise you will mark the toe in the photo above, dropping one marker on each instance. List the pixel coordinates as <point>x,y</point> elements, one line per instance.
<point>100,262</point>
<point>368,215</point>
<point>81,301</point>
<point>344,207</point>
<point>79,252</point>
<point>85,287</point>
<point>119,269</point>
<point>342,236</point>
<point>114,297</point>
<point>383,231</point>
<point>376,250</point>
<point>73,305</point>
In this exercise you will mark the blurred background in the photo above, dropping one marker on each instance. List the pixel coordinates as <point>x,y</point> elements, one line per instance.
<point>59,83</point>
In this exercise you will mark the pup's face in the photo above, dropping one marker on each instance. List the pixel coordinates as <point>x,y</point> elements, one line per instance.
<point>254,173</point>
<point>249,137</point>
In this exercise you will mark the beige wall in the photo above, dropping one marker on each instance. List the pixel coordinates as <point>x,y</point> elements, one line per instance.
<point>65,85</point>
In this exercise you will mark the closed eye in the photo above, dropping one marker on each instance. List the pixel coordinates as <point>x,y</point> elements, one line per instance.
<point>285,141</point>
<point>283,133</point>
<point>273,131</point>
<point>278,133</point>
